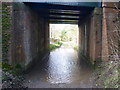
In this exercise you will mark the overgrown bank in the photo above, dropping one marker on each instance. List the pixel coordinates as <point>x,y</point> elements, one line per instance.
<point>12,77</point>
<point>106,75</point>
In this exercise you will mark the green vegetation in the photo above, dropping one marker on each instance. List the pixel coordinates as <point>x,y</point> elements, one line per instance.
<point>67,34</point>
<point>55,45</point>
<point>0,64</point>
<point>6,32</point>
<point>106,75</point>
<point>11,75</point>
<point>63,35</point>
<point>58,42</point>
<point>75,47</point>
<point>14,69</point>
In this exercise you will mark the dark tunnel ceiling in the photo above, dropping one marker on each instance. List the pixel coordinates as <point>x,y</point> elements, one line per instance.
<point>61,14</point>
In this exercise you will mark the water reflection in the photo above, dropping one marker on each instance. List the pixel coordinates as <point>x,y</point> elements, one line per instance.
<point>63,66</point>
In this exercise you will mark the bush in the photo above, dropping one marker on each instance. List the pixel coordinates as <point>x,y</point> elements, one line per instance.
<point>54,46</point>
<point>75,48</point>
<point>58,42</point>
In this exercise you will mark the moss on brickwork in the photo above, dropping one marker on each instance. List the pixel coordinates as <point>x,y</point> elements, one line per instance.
<point>107,75</point>
<point>6,29</point>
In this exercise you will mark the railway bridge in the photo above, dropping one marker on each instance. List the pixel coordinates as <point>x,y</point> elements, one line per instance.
<point>30,28</point>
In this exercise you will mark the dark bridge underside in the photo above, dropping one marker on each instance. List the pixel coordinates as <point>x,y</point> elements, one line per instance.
<point>61,14</point>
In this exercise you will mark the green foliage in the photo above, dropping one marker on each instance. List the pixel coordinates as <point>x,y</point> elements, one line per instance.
<point>67,34</point>
<point>0,64</point>
<point>59,43</point>
<point>18,66</point>
<point>76,48</point>
<point>63,35</point>
<point>14,69</point>
<point>6,66</point>
<point>6,25</point>
<point>107,75</point>
<point>12,76</point>
<point>53,46</point>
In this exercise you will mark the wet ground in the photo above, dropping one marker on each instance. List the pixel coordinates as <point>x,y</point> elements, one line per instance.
<point>61,69</point>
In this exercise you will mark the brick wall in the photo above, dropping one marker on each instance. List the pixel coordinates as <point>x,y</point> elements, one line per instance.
<point>111,25</point>
<point>90,35</point>
<point>29,40</point>
<point>101,42</point>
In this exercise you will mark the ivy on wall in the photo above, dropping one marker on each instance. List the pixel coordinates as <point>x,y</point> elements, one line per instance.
<point>6,30</point>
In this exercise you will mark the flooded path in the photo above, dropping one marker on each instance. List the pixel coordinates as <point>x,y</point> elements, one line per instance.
<point>61,69</point>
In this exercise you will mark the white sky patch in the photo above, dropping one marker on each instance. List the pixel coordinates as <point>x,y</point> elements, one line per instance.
<point>60,26</point>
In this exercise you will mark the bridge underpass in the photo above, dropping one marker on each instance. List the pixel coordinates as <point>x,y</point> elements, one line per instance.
<point>62,67</point>
<point>31,41</point>
<point>29,45</point>
<point>31,29</point>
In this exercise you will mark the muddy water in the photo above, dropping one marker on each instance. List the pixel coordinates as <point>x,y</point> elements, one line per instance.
<point>62,66</point>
